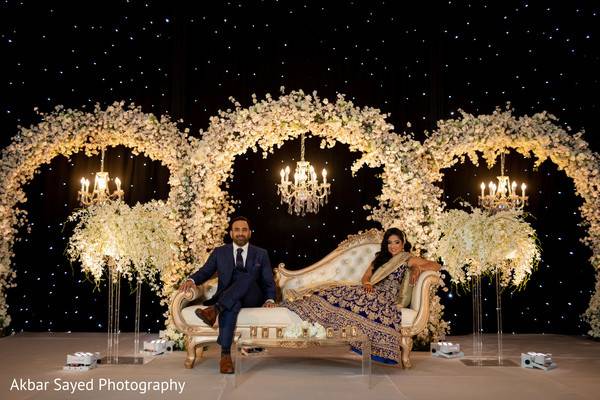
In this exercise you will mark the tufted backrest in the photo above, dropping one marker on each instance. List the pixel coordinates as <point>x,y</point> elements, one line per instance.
<point>342,265</point>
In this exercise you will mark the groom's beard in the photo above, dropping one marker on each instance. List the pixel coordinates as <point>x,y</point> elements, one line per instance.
<point>240,240</point>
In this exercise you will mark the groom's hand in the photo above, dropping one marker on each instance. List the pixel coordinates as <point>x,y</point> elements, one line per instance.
<point>187,284</point>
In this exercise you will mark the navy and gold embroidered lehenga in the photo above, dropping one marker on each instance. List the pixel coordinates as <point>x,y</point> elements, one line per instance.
<point>375,313</point>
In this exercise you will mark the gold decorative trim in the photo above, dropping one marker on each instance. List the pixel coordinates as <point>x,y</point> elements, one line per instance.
<point>373,235</point>
<point>179,302</point>
<point>190,358</point>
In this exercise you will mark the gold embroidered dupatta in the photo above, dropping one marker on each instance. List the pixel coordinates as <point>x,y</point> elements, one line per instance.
<point>393,264</point>
<point>382,272</point>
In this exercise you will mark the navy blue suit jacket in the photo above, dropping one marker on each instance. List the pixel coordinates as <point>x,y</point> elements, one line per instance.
<point>221,261</point>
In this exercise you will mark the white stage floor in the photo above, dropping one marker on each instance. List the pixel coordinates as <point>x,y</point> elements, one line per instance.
<point>291,374</point>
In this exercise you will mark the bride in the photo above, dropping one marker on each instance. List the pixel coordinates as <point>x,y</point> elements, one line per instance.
<point>372,306</point>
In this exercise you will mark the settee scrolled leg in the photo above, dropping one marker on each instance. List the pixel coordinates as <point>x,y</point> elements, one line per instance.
<point>190,359</point>
<point>199,352</point>
<point>406,346</point>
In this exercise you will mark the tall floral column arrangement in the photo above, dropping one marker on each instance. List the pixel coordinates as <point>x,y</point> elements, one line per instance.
<point>138,243</point>
<point>478,243</point>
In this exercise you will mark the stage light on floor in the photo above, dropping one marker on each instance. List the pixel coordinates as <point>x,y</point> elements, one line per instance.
<point>446,350</point>
<point>158,346</point>
<point>81,361</point>
<point>537,360</point>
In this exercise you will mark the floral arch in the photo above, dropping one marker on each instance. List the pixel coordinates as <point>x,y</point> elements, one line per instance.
<point>406,201</point>
<point>67,131</point>
<point>536,135</point>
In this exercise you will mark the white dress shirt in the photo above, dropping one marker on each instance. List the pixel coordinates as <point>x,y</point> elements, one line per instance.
<point>244,252</point>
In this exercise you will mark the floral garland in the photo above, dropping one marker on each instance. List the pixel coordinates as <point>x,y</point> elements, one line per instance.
<point>477,243</point>
<point>67,131</point>
<point>141,240</point>
<point>409,198</point>
<point>536,135</point>
<point>405,201</point>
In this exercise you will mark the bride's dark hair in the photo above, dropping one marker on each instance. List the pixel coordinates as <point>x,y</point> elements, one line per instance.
<point>384,255</point>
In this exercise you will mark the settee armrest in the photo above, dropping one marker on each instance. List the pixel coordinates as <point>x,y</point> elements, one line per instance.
<point>179,302</point>
<point>182,299</point>
<point>426,281</point>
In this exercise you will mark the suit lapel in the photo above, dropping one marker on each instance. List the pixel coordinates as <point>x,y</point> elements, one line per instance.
<point>229,257</point>
<point>250,259</point>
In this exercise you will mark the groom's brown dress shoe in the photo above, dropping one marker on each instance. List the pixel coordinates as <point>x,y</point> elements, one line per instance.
<point>226,365</point>
<point>208,315</point>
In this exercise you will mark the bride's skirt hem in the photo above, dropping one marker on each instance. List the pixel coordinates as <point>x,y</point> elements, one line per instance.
<point>376,358</point>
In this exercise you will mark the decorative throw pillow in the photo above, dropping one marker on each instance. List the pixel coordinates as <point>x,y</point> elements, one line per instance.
<point>405,293</point>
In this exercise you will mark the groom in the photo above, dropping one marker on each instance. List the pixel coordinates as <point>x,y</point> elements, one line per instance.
<point>245,280</point>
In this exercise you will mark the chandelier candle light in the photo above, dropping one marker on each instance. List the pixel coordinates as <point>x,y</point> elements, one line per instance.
<point>502,196</point>
<point>305,194</point>
<point>101,192</point>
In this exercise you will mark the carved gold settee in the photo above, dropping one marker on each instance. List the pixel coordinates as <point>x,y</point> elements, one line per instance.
<point>346,263</point>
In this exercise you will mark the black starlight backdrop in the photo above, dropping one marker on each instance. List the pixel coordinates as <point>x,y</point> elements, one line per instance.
<point>419,64</point>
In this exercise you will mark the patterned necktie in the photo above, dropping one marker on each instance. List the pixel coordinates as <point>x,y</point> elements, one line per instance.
<point>239,260</point>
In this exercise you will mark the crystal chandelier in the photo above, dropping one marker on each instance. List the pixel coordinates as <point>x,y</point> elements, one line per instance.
<point>101,193</point>
<point>503,196</point>
<point>305,194</point>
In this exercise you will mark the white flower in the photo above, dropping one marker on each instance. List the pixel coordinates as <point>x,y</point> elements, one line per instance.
<point>142,240</point>
<point>295,331</point>
<point>477,243</point>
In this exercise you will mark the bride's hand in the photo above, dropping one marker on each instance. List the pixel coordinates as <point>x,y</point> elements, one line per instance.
<point>368,287</point>
<point>414,275</point>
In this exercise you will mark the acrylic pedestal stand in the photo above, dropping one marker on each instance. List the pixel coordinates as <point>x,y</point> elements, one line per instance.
<point>477,360</point>
<point>114,303</point>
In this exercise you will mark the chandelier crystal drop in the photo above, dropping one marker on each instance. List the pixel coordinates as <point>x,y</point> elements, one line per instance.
<point>101,192</point>
<point>502,196</point>
<point>305,194</point>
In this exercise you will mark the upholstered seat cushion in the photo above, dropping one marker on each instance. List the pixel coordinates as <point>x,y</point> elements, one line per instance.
<point>272,317</point>
<point>260,316</point>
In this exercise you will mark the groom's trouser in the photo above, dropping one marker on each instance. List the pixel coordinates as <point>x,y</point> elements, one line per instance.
<point>242,292</point>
